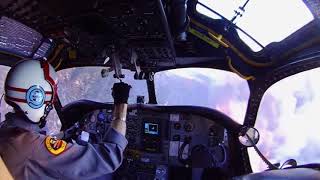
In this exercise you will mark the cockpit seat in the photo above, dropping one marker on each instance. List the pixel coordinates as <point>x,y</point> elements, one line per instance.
<point>283,174</point>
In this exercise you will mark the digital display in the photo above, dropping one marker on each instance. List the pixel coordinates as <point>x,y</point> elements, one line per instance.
<point>150,128</point>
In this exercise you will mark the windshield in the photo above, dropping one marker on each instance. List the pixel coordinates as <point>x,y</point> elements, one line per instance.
<point>87,83</point>
<point>288,121</point>
<point>217,89</point>
<point>266,21</point>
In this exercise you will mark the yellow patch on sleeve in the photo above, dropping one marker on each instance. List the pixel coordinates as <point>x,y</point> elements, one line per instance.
<point>55,146</point>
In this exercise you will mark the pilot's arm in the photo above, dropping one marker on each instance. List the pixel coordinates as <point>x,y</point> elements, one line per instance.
<point>73,161</point>
<point>120,93</point>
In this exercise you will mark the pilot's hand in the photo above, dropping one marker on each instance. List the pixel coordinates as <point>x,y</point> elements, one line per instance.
<point>120,93</point>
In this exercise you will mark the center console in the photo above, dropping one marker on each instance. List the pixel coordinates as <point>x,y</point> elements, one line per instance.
<point>159,144</point>
<point>146,156</point>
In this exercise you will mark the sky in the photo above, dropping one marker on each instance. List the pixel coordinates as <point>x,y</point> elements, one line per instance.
<point>288,119</point>
<point>266,21</point>
<point>203,87</point>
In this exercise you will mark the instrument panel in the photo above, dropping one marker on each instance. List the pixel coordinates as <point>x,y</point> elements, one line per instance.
<point>160,141</point>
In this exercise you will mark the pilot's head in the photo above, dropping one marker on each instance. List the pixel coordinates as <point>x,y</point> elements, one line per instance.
<point>31,89</point>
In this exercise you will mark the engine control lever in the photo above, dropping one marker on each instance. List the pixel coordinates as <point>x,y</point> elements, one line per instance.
<point>116,65</point>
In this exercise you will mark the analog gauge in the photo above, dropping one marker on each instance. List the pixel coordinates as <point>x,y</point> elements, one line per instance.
<point>101,116</point>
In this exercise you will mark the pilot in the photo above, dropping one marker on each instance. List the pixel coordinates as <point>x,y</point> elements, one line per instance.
<point>31,89</point>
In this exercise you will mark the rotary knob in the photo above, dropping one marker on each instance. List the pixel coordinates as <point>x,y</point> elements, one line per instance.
<point>188,127</point>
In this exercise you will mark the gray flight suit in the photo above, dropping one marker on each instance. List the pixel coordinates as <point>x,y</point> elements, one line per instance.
<point>24,153</point>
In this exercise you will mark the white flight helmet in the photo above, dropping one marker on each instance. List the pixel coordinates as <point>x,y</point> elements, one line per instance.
<point>31,87</point>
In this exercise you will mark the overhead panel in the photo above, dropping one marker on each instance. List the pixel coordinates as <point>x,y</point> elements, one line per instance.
<point>17,39</point>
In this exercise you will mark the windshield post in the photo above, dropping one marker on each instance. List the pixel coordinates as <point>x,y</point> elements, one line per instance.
<point>58,107</point>
<point>151,92</point>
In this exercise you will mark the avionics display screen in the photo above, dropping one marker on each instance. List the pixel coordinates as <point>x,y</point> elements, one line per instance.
<point>150,128</point>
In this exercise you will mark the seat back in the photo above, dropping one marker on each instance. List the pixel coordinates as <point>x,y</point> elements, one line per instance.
<point>4,172</point>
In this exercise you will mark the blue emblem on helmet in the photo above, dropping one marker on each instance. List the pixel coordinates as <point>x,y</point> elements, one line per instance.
<point>35,97</point>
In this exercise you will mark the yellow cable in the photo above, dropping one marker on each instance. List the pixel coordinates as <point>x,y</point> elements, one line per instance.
<point>233,69</point>
<point>219,39</point>
<point>233,48</point>
<point>56,52</point>
<point>58,65</point>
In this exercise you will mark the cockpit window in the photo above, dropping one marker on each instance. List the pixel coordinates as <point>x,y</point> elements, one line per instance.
<point>288,121</point>
<point>266,21</point>
<point>221,90</point>
<point>87,83</point>
<point>4,107</point>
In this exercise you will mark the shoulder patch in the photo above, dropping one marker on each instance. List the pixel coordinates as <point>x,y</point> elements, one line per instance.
<point>55,146</point>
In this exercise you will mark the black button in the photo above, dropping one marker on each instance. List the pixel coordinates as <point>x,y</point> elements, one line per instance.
<point>188,127</point>
<point>176,137</point>
<point>177,126</point>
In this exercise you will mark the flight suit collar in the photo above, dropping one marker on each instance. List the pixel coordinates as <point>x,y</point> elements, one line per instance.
<point>16,120</point>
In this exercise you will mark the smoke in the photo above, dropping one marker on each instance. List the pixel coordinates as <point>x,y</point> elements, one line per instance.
<point>216,89</point>
<point>287,121</point>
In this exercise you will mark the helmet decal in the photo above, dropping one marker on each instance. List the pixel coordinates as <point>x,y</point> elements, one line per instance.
<point>35,97</point>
